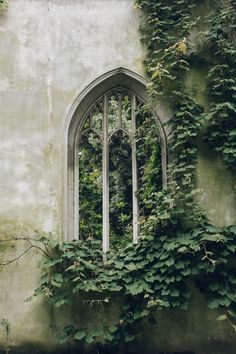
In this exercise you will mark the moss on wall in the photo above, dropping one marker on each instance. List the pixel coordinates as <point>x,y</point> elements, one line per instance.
<point>56,51</point>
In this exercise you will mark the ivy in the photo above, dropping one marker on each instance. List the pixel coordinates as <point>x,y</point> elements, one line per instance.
<point>178,245</point>
<point>221,132</point>
<point>152,275</point>
<point>168,63</point>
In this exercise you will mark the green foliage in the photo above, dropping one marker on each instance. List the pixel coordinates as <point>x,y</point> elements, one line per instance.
<point>149,163</point>
<point>152,275</point>
<point>90,187</point>
<point>178,245</point>
<point>120,186</point>
<point>167,64</point>
<point>221,132</point>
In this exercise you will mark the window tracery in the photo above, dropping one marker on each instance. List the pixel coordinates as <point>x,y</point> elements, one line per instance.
<point>116,143</point>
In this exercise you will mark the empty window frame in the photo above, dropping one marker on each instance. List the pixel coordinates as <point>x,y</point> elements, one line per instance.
<point>116,138</point>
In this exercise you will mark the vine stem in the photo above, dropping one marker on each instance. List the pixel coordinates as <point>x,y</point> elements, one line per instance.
<point>32,246</point>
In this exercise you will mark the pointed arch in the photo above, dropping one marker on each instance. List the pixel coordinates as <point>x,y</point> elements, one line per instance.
<point>74,119</point>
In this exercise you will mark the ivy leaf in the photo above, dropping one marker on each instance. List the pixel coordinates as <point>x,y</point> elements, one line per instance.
<point>56,284</point>
<point>129,338</point>
<point>222,318</point>
<point>182,249</point>
<point>89,338</point>
<point>213,303</point>
<point>169,262</point>
<point>61,302</point>
<point>131,267</point>
<point>79,335</point>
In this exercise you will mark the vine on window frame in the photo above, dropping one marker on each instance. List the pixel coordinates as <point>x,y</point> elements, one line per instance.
<point>156,273</point>
<point>120,165</point>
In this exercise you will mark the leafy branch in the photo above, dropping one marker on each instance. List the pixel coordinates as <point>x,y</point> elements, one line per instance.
<point>32,244</point>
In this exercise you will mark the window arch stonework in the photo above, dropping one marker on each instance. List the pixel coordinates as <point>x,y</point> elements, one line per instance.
<point>120,83</point>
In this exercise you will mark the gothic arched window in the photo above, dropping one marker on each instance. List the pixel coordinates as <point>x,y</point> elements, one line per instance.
<point>117,166</point>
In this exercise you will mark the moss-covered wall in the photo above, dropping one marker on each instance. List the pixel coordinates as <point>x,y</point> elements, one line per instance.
<point>50,51</point>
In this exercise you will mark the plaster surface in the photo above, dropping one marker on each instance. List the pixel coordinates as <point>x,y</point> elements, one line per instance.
<point>50,50</point>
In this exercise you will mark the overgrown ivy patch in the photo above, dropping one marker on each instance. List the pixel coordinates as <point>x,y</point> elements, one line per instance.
<point>150,276</point>
<point>221,40</point>
<point>178,245</point>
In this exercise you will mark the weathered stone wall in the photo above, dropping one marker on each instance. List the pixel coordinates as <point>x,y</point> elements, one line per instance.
<point>50,50</point>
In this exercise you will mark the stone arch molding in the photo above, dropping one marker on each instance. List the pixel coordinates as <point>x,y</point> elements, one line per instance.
<point>120,77</point>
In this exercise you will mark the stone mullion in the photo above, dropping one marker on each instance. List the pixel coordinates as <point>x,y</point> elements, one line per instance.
<point>105,179</point>
<point>134,174</point>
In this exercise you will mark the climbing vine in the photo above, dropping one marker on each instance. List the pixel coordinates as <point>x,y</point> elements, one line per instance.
<point>221,132</point>
<point>178,245</point>
<point>167,64</point>
<point>152,275</point>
